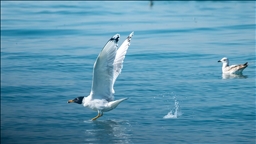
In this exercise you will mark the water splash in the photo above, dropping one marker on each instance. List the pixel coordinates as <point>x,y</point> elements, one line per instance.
<point>174,113</point>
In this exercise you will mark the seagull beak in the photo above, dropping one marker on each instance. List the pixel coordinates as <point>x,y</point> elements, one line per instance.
<point>70,101</point>
<point>219,61</point>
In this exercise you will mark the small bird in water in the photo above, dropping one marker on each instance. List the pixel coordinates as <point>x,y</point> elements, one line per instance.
<point>106,69</point>
<point>233,69</point>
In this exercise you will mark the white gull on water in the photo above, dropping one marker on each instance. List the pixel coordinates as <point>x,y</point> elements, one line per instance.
<point>106,69</point>
<point>233,69</point>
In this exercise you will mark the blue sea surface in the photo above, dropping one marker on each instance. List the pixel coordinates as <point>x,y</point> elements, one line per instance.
<point>176,90</point>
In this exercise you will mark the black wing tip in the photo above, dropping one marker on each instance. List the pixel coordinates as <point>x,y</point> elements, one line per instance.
<point>130,36</point>
<point>246,64</point>
<point>115,38</point>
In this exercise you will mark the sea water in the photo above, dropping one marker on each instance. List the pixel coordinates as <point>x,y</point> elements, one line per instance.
<point>171,75</point>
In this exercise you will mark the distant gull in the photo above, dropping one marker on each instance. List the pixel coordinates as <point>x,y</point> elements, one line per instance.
<point>106,69</point>
<point>233,69</point>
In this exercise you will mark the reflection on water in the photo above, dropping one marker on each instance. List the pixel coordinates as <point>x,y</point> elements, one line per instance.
<point>233,76</point>
<point>108,131</point>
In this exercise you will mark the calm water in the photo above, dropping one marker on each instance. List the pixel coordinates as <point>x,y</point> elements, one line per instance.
<point>171,75</point>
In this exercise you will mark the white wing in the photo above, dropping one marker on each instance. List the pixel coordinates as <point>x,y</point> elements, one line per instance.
<point>120,55</point>
<point>237,68</point>
<point>103,73</point>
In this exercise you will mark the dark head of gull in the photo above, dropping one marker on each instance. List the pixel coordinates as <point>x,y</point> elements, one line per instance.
<point>77,100</point>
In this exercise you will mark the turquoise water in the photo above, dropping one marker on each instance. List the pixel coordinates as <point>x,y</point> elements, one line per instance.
<point>175,87</point>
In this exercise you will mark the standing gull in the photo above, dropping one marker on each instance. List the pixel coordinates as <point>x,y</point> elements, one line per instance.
<point>233,69</point>
<point>106,69</point>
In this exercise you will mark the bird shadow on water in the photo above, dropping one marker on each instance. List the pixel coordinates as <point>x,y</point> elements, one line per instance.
<point>108,131</point>
<point>234,76</point>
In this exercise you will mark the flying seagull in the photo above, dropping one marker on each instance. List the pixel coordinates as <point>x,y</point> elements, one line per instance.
<point>233,69</point>
<point>106,69</point>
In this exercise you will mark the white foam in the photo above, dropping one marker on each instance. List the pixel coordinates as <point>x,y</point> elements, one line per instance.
<point>173,114</point>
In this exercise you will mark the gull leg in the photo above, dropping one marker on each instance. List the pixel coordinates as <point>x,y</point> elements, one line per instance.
<point>99,115</point>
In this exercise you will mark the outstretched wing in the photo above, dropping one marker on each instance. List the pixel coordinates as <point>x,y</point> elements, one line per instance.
<point>103,71</point>
<point>120,55</point>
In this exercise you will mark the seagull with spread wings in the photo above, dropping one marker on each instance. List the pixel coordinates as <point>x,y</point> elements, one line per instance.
<point>106,69</point>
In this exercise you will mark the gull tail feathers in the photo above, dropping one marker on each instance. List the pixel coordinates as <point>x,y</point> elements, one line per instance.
<point>114,104</point>
<point>246,64</point>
